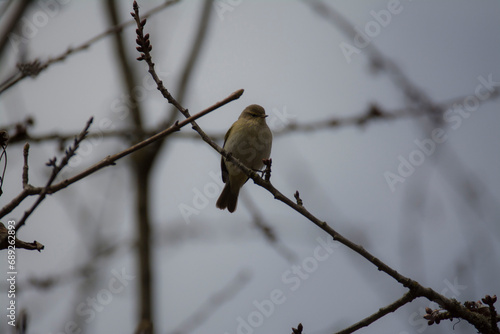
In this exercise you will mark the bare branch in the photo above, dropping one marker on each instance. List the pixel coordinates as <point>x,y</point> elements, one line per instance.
<point>407,298</point>
<point>475,307</point>
<point>4,241</point>
<point>25,176</point>
<point>56,168</point>
<point>145,54</point>
<point>110,160</point>
<point>4,137</point>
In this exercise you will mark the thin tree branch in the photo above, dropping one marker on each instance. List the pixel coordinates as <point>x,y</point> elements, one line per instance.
<point>25,176</point>
<point>407,298</point>
<point>110,160</point>
<point>127,72</point>
<point>56,168</point>
<point>144,49</point>
<point>5,242</point>
<point>3,154</point>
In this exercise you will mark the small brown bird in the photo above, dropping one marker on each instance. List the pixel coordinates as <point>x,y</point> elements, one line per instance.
<point>249,140</point>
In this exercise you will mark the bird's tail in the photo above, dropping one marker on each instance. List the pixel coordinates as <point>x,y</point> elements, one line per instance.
<point>228,199</point>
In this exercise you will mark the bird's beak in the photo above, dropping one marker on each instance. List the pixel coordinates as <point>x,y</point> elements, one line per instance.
<point>264,116</point>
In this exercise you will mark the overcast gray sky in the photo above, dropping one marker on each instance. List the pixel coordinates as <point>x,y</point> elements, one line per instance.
<point>293,63</point>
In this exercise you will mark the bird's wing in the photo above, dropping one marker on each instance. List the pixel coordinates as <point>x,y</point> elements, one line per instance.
<point>223,168</point>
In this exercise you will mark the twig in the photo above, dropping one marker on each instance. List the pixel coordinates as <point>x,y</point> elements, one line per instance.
<point>407,298</point>
<point>297,198</point>
<point>3,145</point>
<point>126,70</point>
<point>25,176</point>
<point>490,301</point>
<point>4,241</point>
<point>145,54</point>
<point>474,307</point>
<point>56,168</point>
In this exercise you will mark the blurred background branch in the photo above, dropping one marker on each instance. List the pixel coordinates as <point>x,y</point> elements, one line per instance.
<point>34,67</point>
<point>20,7</point>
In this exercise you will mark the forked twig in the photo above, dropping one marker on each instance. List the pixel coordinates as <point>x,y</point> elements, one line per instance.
<point>56,168</point>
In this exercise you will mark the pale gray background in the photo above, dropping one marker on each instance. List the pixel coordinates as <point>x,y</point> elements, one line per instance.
<point>287,58</point>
